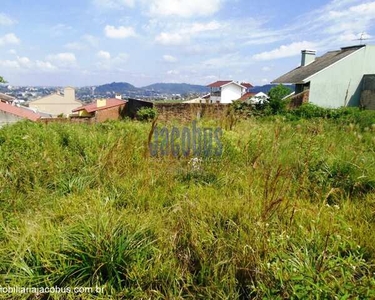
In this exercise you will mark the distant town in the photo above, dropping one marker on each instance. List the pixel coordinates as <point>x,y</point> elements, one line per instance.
<point>154,92</point>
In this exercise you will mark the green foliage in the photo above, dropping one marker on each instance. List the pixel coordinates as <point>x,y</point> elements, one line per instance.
<point>2,80</point>
<point>276,104</point>
<point>146,114</point>
<point>286,212</point>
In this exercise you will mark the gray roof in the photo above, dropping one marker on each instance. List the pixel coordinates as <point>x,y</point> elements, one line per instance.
<point>299,74</point>
<point>6,97</point>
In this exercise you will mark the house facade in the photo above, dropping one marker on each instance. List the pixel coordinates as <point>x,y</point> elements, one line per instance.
<point>335,79</point>
<point>102,110</point>
<point>226,92</point>
<point>57,104</point>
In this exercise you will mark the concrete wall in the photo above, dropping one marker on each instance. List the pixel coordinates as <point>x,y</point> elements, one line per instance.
<point>341,84</point>
<point>6,118</point>
<point>231,92</point>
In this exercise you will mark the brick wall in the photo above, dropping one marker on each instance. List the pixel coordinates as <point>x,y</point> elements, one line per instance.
<point>114,113</point>
<point>299,99</point>
<point>75,120</point>
<point>187,112</point>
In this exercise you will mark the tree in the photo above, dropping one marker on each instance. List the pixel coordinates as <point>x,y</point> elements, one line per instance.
<point>2,80</point>
<point>277,94</point>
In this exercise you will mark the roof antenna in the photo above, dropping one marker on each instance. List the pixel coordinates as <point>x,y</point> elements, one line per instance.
<point>362,38</point>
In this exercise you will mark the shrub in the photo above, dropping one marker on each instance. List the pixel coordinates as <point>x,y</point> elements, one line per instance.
<point>276,103</point>
<point>146,114</point>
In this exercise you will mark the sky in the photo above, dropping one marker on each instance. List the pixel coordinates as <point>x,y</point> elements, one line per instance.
<point>92,42</point>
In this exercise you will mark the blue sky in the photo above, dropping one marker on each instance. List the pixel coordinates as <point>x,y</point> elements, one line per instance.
<point>90,42</point>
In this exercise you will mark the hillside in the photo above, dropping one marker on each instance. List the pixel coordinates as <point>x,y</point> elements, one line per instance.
<point>266,88</point>
<point>116,87</point>
<point>176,88</point>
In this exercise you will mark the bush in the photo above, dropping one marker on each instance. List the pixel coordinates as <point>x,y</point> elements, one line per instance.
<point>276,103</point>
<point>146,114</point>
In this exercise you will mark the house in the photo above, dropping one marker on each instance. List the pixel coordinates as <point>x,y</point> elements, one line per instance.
<point>202,99</point>
<point>11,114</point>
<point>227,91</point>
<point>57,104</point>
<point>102,110</point>
<point>246,96</point>
<point>254,98</point>
<point>338,78</point>
<point>6,98</point>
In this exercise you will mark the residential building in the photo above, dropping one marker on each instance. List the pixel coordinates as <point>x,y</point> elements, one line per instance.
<point>57,104</point>
<point>102,110</point>
<point>337,79</point>
<point>11,114</point>
<point>6,98</point>
<point>227,91</point>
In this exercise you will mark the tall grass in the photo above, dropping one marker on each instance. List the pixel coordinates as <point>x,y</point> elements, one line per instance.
<point>286,212</point>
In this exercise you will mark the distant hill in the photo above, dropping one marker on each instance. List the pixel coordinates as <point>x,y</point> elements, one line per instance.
<point>266,88</point>
<point>116,87</point>
<point>176,88</point>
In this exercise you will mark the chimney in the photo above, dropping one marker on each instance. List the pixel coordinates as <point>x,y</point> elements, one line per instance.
<point>308,56</point>
<point>118,96</point>
<point>70,93</point>
<point>101,103</point>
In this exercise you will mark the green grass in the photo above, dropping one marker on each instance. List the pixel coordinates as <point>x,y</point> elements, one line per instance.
<point>288,211</point>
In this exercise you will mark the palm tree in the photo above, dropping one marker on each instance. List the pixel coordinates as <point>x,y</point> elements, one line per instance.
<point>2,80</point>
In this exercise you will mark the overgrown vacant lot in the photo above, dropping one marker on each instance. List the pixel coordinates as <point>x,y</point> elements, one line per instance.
<point>288,211</point>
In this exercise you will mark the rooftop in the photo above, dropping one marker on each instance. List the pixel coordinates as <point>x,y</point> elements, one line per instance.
<point>5,97</point>
<point>92,107</point>
<point>19,112</point>
<point>222,83</point>
<point>299,74</point>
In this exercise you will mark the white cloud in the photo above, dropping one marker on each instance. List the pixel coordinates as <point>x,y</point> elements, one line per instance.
<point>169,58</point>
<point>107,63</point>
<point>265,81</point>
<point>284,51</point>
<point>5,20</point>
<point>91,40</point>
<point>65,59</point>
<point>183,8</point>
<point>75,46</point>
<point>9,39</point>
<point>25,65</point>
<point>45,66</point>
<point>59,29</point>
<point>266,69</point>
<point>171,39</point>
<point>104,55</point>
<point>120,32</point>
<point>173,72</point>
<point>84,43</point>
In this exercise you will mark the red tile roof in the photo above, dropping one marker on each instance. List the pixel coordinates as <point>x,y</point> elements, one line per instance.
<point>218,84</point>
<point>19,112</point>
<point>92,107</point>
<point>247,96</point>
<point>247,85</point>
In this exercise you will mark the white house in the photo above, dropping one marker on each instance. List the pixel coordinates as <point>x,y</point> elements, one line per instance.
<point>345,77</point>
<point>259,98</point>
<point>227,91</point>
